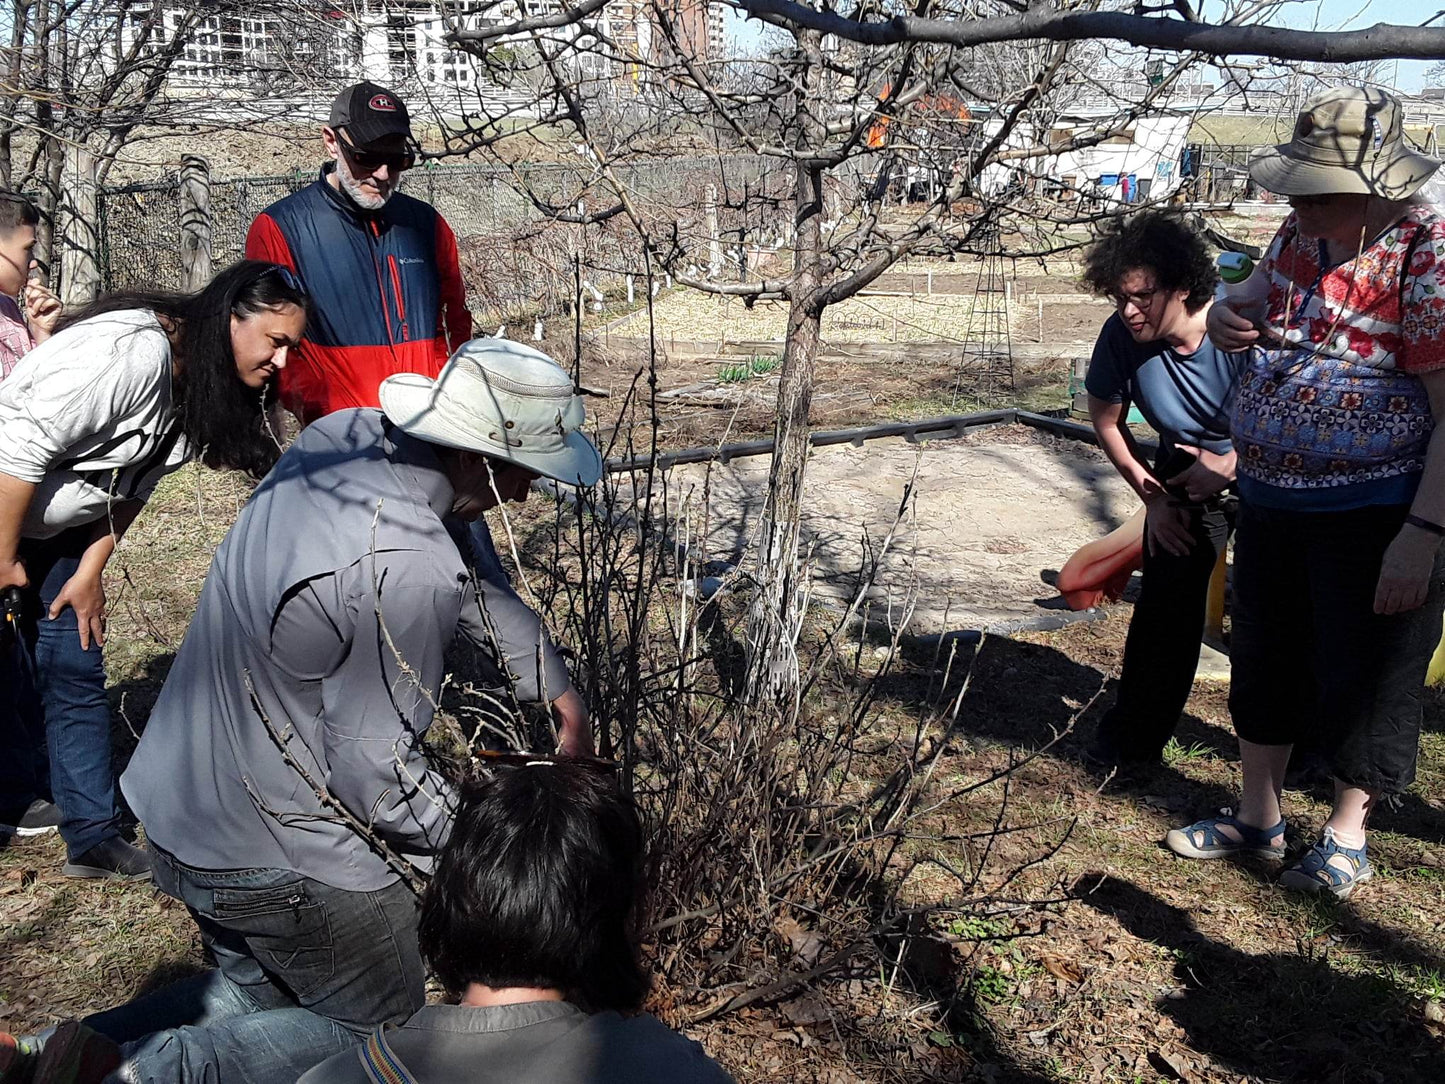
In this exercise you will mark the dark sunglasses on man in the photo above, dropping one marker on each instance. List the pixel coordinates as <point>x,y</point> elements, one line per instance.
<point>371,161</point>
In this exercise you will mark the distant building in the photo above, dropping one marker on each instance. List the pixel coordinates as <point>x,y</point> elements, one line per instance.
<point>717,42</point>
<point>402,41</point>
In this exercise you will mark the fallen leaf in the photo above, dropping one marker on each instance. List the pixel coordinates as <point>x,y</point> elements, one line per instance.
<point>1060,968</point>
<point>1171,1063</point>
<point>806,944</point>
<point>805,1010</point>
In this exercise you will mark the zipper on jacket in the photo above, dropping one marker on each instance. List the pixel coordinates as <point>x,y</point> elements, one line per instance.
<point>374,239</point>
<point>396,288</point>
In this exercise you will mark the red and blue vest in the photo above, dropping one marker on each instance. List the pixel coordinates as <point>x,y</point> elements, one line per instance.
<point>386,289</point>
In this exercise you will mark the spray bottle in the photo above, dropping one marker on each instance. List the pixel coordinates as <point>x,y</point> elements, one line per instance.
<point>1245,291</point>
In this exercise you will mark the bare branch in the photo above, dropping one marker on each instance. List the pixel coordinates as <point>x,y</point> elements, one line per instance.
<point>565,17</point>
<point>1378,42</point>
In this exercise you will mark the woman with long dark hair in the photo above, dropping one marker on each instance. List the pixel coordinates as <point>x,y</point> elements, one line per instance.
<point>124,392</point>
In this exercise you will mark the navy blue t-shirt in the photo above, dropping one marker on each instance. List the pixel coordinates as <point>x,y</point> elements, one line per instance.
<point>1185,397</point>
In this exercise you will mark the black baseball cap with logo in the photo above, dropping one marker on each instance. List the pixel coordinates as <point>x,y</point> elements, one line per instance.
<point>369,112</point>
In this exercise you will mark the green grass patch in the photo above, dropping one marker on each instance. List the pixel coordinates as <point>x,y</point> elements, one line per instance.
<point>740,372</point>
<point>1176,752</point>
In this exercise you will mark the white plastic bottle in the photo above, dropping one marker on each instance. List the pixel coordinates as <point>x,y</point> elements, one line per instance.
<point>1245,291</point>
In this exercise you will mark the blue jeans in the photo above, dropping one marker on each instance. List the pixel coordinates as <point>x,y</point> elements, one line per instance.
<point>59,692</point>
<point>24,760</point>
<point>303,972</point>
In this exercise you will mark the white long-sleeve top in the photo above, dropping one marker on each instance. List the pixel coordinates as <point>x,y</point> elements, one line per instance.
<point>88,417</point>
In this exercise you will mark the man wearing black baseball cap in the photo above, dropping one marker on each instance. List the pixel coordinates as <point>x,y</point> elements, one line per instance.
<point>369,135</point>
<point>381,267</point>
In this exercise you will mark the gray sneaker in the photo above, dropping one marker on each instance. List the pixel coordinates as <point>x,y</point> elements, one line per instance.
<point>40,818</point>
<point>115,860</point>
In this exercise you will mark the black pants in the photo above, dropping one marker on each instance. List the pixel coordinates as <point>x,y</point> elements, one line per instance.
<point>1312,659</point>
<point>1162,651</point>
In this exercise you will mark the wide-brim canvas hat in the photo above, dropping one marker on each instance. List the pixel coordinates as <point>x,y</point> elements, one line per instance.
<point>1346,140</point>
<point>504,400</point>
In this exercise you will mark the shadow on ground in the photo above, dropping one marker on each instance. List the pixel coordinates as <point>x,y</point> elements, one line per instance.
<point>1021,695</point>
<point>1276,1016</point>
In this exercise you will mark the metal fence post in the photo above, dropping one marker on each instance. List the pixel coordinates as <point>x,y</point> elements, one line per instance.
<point>197,264</point>
<point>102,227</point>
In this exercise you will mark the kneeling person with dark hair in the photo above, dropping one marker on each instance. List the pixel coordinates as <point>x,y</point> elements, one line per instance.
<point>529,921</point>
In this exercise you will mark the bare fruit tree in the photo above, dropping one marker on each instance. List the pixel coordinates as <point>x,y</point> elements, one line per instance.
<point>845,107</point>
<point>81,80</point>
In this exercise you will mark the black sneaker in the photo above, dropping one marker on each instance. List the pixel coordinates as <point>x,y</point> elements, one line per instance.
<point>1100,752</point>
<point>115,859</point>
<point>38,819</point>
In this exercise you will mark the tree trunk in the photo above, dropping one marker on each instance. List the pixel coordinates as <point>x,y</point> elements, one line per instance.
<point>776,614</point>
<point>10,100</point>
<point>80,251</point>
<point>52,151</point>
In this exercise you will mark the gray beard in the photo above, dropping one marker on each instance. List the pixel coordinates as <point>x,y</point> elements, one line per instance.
<point>365,198</point>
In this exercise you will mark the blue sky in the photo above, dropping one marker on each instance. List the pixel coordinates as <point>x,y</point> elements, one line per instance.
<point>1350,14</point>
<point>1312,14</point>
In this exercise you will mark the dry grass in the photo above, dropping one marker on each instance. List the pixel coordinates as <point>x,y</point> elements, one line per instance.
<point>1182,961</point>
<point>692,316</point>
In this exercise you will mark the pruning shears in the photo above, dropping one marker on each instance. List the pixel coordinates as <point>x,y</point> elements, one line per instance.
<point>492,758</point>
<point>12,606</point>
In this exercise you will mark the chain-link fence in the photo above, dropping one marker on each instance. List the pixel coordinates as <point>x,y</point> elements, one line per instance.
<point>521,230</point>
<point>1218,172</point>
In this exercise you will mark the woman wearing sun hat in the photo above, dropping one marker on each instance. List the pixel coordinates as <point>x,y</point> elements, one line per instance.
<point>1338,580</point>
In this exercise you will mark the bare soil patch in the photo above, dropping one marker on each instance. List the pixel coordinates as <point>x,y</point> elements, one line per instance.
<point>990,513</point>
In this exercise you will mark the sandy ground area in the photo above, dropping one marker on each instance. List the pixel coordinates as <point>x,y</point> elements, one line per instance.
<point>991,514</point>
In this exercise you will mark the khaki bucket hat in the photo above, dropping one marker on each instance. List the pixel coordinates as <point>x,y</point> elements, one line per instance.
<point>1346,140</point>
<point>503,399</point>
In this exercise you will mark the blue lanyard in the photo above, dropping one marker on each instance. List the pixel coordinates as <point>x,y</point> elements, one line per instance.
<point>1283,373</point>
<point>1309,295</point>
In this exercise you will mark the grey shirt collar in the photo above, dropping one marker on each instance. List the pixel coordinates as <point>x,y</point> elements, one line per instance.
<point>471,1019</point>
<point>418,460</point>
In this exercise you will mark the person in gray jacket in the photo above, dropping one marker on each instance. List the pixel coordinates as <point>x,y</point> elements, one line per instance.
<point>530,924</point>
<point>310,671</point>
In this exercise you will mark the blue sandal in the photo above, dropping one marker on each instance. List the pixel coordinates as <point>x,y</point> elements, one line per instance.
<point>1203,839</point>
<point>1315,874</point>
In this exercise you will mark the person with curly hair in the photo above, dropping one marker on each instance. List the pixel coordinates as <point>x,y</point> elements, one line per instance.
<point>1154,352</point>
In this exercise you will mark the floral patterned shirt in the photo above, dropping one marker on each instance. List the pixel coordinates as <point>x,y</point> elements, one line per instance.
<point>1342,403</point>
